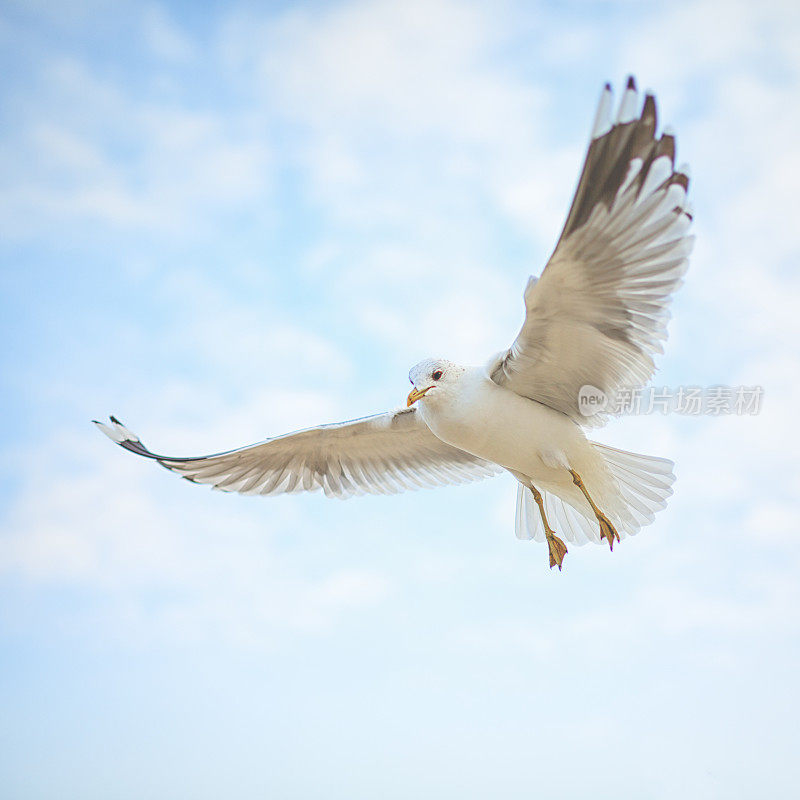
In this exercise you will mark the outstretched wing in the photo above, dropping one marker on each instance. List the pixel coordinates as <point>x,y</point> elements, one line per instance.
<point>382,454</point>
<point>599,312</point>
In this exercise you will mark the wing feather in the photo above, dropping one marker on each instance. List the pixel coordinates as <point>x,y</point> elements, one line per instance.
<point>382,454</point>
<point>599,312</point>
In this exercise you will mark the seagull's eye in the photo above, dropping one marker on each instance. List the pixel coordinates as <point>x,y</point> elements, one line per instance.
<point>437,375</point>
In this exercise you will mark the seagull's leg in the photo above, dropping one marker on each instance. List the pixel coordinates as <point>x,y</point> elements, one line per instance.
<point>557,547</point>
<point>607,530</point>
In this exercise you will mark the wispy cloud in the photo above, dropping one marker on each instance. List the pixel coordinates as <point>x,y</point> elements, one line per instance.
<point>92,152</point>
<point>165,38</point>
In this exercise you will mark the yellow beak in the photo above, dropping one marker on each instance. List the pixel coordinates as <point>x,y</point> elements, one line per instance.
<point>415,395</point>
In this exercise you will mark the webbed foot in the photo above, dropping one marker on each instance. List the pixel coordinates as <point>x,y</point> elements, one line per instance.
<point>557,550</point>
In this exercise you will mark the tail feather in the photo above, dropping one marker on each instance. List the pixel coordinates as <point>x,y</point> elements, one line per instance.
<point>567,521</point>
<point>643,485</point>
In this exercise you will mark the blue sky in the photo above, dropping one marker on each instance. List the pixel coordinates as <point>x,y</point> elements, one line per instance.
<point>225,221</point>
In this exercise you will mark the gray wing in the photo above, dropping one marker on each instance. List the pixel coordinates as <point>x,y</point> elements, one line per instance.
<point>599,311</point>
<point>382,454</point>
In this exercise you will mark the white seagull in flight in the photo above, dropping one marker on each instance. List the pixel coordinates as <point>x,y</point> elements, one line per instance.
<point>594,318</point>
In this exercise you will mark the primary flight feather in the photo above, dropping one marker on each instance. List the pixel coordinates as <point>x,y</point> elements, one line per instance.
<point>595,317</point>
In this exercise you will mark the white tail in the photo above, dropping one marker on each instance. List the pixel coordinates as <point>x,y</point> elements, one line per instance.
<point>644,484</point>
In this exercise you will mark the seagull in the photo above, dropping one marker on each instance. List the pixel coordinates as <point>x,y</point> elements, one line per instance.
<point>594,319</point>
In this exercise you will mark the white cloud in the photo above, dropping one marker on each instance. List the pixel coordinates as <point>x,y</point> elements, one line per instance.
<point>404,110</point>
<point>94,523</point>
<point>436,142</point>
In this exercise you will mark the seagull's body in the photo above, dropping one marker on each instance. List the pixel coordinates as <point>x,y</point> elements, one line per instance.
<point>485,419</point>
<point>594,318</point>
<point>469,411</point>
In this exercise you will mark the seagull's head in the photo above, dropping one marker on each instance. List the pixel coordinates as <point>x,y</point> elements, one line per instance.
<point>433,378</point>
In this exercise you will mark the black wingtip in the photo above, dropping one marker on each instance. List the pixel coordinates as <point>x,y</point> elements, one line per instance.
<point>115,420</point>
<point>681,180</point>
<point>666,146</point>
<point>607,87</point>
<point>649,113</point>
<point>631,83</point>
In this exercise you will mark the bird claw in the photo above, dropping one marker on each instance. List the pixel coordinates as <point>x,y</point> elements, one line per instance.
<point>607,530</point>
<point>557,550</point>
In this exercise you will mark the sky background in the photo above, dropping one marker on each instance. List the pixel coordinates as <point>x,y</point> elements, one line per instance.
<point>224,221</point>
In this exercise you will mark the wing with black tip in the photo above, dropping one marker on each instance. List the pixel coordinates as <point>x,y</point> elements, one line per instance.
<point>598,314</point>
<point>382,454</point>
